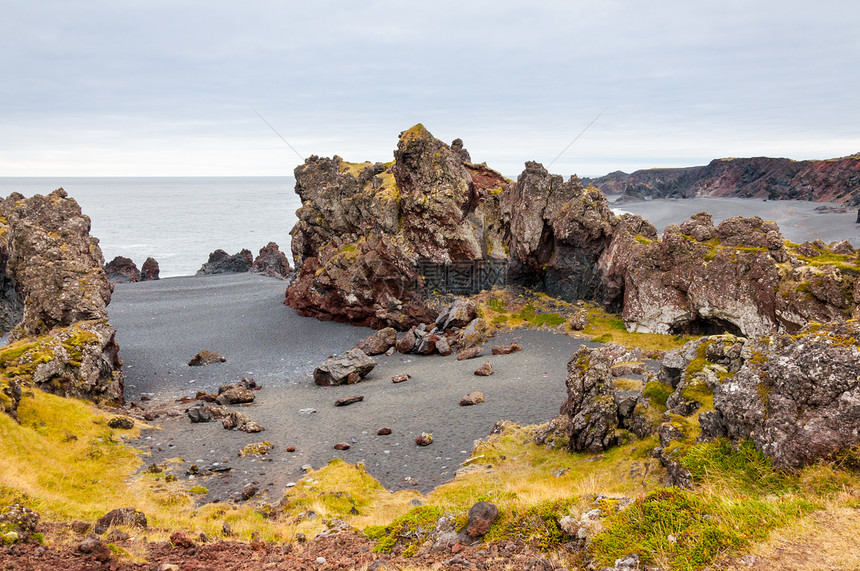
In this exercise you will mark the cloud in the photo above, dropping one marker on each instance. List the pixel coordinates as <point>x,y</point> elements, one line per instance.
<point>162,87</point>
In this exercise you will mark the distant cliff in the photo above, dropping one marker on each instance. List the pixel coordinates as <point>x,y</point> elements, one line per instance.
<point>831,180</point>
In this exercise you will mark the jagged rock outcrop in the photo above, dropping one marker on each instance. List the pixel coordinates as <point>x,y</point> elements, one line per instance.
<point>831,180</point>
<point>272,262</point>
<point>363,228</point>
<point>122,270</point>
<point>220,262</point>
<point>796,397</point>
<point>740,276</point>
<point>597,410</point>
<point>149,271</point>
<point>365,231</point>
<point>56,287</point>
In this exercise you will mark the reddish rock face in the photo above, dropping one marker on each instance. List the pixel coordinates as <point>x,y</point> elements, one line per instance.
<point>149,270</point>
<point>833,180</point>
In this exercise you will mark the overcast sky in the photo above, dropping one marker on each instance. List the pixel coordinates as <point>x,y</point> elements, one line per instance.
<point>169,87</point>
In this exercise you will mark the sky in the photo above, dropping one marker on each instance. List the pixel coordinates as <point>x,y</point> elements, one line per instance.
<point>174,87</point>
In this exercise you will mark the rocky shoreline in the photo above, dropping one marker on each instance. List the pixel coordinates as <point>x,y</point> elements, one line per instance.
<point>769,382</point>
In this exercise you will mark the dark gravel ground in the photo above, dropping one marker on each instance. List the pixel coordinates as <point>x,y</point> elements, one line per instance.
<point>163,324</point>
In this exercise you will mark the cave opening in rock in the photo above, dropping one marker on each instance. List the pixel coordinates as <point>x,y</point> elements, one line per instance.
<point>707,326</point>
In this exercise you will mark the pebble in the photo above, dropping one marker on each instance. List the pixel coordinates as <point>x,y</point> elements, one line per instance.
<point>321,560</point>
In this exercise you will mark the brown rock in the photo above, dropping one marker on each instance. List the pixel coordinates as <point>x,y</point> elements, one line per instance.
<point>424,439</point>
<point>469,353</point>
<point>507,349</point>
<point>401,378</point>
<point>180,540</point>
<point>472,399</point>
<point>484,370</point>
<point>272,262</point>
<point>341,446</point>
<point>383,431</point>
<point>443,348</point>
<point>206,358</point>
<point>291,449</point>
<point>236,395</point>
<point>481,518</point>
<point>251,427</point>
<point>235,420</point>
<point>348,369</point>
<point>97,548</point>
<point>149,271</point>
<point>346,401</point>
<point>122,270</point>
<point>122,516</point>
<point>379,342</point>
<point>406,343</point>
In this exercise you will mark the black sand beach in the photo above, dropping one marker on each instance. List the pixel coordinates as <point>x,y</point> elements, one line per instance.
<point>163,324</point>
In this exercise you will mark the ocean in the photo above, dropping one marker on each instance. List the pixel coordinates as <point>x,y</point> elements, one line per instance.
<point>177,220</point>
<point>180,220</point>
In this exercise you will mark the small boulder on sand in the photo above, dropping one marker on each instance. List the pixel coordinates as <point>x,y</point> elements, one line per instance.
<point>206,358</point>
<point>484,370</point>
<point>469,353</point>
<point>507,349</point>
<point>471,399</point>
<point>346,370</point>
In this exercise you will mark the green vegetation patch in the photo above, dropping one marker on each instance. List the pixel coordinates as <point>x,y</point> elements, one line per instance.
<point>684,530</point>
<point>408,531</point>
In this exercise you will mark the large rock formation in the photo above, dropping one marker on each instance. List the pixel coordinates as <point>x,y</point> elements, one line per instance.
<point>796,397</point>
<point>740,276</point>
<point>272,262</point>
<point>55,300</point>
<point>831,180</point>
<point>366,233</point>
<point>364,228</point>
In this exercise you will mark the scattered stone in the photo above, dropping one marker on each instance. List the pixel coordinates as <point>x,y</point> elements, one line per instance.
<point>227,529</point>
<point>248,492</point>
<point>472,399</point>
<point>220,262</point>
<point>235,395</point>
<point>401,378</point>
<point>256,449</point>
<point>251,427</point>
<point>346,401</point>
<point>199,414</point>
<point>341,446</point>
<point>475,334</point>
<point>307,410</point>
<point>117,535</point>
<point>206,358</point>
<point>484,370</point>
<point>579,320</point>
<point>235,420</point>
<point>291,449</point>
<point>424,439</point>
<point>469,353</point>
<point>205,397</point>
<point>180,540</point>
<point>380,342</point>
<point>406,343</point>
<point>458,314</point>
<point>443,347</point>
<point>20,520</point>
<point>154,469</point>
<point>349,369</point>
<point>121,516</point>
<point>481,517</point>
<point>507,349</point>
<point>121,423</point>
<point>95,547</point>
<point>383,431</point>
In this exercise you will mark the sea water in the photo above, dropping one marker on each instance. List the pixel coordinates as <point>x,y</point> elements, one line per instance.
<point>177,220</point>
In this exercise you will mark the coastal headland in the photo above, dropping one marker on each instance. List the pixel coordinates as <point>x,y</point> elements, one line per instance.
<point>550,386</point>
